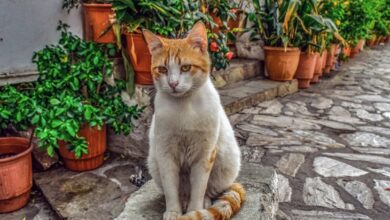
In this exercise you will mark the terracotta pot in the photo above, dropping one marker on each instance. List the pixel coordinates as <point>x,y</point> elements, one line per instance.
<point>330,57</point>
<point>359,47</point>
<point>324,56</point>
<point>281,63</point>
<point>97,145</point>
<point>140,58</point>
<point>305,71</point>
<point>317,68</point>
<point>15,173</point>
<point>387,39</point>
<point>347,51</point>
<point>371,42</point>
<point>97,23</point>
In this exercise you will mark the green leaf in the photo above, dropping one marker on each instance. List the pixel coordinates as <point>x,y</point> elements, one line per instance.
<point>70,130</point>
<point>87,114</point>
<point>35,119</point>
<point>54,101</point>
<point>56,123</point>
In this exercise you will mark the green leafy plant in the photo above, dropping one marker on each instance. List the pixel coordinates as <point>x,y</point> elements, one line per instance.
<point>71,92</point>
<point>276,21</point>
<point>71,4</point>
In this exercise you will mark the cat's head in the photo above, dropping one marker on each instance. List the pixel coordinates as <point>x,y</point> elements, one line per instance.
<point>179,66</point>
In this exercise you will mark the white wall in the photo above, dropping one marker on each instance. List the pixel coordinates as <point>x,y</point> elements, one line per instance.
<point>27,26</point>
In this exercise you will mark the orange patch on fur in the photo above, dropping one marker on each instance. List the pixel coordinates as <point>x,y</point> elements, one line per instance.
<point>198,216</point>
<point>240,190</point>
<point>233,203</point>
<point>216,214</point>
<point>209,164</point>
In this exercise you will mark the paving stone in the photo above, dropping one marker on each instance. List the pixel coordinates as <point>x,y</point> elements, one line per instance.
<point>302,149</point>
<point>327,167</point>
<point>352,105</point>
<point>382,106</point>
<point>284,189</point>
<point>273,107</point>
<point>290,163</point>
<point>366,150</point>
<point>285,122</point>
<point>339,111</point>
<point>252,154</point>
<point>376,129</point>
<point>262,140</point>
<point>359,191</point>
<point>261,202</point>
<point>361,157</point>
<point>236,118</point>
<point>79,195</point>
<point>256,129</point>
<point>346,119</point>
<point>253,110</point>
<point>364,139</point>
<point>381,186</point>
<point>318,193</point>
<point>315,137</point>
<point>325,215</point>
<point>334,125</point>
<point>386,115</point>
<point>365,115</point>
<point>384,171</point>
<point>299,108</point>
<point>322,103</point>
<point>372,98</point>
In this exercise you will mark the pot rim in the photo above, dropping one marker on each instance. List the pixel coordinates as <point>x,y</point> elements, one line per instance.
<point>97,5</point>
<point>287,49</point>
<point>19,155</point>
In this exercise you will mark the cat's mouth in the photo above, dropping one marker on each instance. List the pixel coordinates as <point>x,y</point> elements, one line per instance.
<point>176,93</point>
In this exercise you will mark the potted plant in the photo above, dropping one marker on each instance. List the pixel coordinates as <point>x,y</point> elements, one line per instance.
<point>15,152</point>
<point>73,102</point>
<point>276,22</point>
<point>96,19</point>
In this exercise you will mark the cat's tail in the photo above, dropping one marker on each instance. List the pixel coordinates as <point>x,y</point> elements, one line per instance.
<point>227,205</point>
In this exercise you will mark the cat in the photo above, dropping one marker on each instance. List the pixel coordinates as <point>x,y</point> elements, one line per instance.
<point>193,155</point>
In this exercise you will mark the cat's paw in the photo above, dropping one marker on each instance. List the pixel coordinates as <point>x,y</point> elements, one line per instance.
<point>171,215</point>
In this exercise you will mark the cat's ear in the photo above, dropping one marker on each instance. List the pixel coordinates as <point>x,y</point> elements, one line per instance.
<point>154,42</point>
<point>198,36</point>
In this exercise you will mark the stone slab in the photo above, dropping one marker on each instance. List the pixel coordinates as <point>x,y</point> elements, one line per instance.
<point>248,93</point>
<point>261,202</point>
<point>97,194</point>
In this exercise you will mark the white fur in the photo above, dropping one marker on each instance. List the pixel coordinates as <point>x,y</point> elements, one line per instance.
<point>186,128</point>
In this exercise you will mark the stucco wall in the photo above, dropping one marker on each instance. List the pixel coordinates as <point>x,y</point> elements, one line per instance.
<point>27,26</point>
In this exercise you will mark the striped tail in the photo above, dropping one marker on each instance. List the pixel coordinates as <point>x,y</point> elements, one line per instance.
<point>227,205</point>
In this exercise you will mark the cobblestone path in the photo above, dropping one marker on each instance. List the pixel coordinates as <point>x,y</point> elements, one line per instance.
<point>330,144</point>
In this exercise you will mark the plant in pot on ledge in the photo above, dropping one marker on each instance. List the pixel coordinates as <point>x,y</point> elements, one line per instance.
<point>16,108</point>
<point>96,19</point>
<point>276,22</point>
<point>74,102</point>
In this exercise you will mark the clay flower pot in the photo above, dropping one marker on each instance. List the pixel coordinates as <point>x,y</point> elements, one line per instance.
<point>347,51</point>
<point>97,145</point>
<point>324,56</point>
<point>330,58</point>
<point>357,48</point>
<point>318,68</point>
<point>387,39</point>
<point>15,173</point>
<point>371,42</point>
<point>281,63</point>
<point>140,58</point>
<point>97,26</point>
<point>305,71</point>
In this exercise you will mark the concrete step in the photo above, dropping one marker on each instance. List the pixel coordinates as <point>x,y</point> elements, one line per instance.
<point>261,202</point>
<point>247,93</point>
<point>238,70</point>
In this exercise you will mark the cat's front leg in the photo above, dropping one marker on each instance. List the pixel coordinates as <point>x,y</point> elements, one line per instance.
<point>169,171</point>
<point>199,177</point>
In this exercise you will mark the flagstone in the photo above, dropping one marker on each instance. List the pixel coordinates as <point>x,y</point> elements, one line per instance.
<point>359,191</point>
<point>327,167</point>
<point>290,163</point>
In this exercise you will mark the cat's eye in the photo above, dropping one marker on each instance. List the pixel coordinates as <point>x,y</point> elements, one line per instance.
<point>185,68</point>
<point>162,69</point>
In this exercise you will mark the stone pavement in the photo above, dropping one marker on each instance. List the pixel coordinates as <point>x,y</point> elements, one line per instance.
<point>330,144</point>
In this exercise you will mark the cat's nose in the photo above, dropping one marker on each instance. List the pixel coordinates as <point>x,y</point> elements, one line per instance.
<point>173,84</point>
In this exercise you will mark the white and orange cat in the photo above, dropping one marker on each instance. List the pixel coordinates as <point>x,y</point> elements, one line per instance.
<point>193,156</point>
